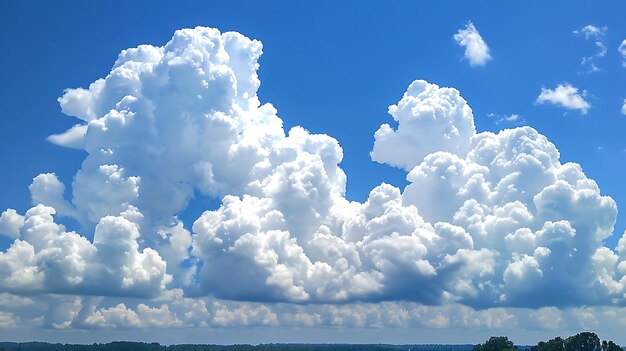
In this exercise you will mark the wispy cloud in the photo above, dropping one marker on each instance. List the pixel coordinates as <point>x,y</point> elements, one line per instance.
<point>476,50</point>
<point>512,118</point>
<point>598,34</point>
<point>622,50</point>
<point>591,31</point>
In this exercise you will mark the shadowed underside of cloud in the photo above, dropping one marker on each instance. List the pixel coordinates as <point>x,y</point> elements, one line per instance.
<point>174,311</point>
<point>488,220</point>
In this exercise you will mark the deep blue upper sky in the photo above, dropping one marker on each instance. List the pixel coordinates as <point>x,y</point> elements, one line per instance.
<point>332,67</point>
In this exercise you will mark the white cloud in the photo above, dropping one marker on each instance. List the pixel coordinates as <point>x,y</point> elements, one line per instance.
<point>476,50</point>
<point>10,300</point>
<point>176,315</point>
<point>168,122</point>
<point>512,118</point>
<point>500,186</point>
<point>624,108</point>
<point>46,258</point>
<point>7,320</point>
<point>565,95</point>
<point>117,316</point>
<point>144,316</point>
<point>598,34</point>
<point>548,317</point>
<point>622,50</point>
<point>10,223</point>
<point>47,189</point>
<point>488,221</point>
<point>72,138</point>
<point>591,31</point>
<point>64,312</point>
<point>245,315</point>
<point>429,119</point>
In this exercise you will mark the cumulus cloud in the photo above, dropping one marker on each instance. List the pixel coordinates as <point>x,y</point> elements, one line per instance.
<point>598,35</point>
<point>144,316</point>
<point>429,119</point>
<point>10,300</point>
<point>194,136</point>
<point>565,95</point>
<point>624,108</point>
<point>177,311</point>
<point>476,50</point>
<point>165,124</point>
<point>10,223</point>
<point>47,258</point>
<point>488,220</point>
<point>515,220</point>
<point>7,320</point>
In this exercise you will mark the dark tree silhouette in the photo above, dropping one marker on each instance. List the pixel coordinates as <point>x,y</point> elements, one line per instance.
<point>610,346</point>
<point>495,343</point>
<point>556,344</point>
<point>585,341</point>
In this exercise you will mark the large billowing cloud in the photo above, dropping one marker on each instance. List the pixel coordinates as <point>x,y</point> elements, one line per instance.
<point>489,220</point>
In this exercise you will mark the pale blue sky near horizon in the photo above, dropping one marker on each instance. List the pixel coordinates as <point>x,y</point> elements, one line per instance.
<point>332,67</point>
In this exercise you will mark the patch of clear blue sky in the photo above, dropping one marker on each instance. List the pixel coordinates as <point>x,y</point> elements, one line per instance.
<point>330,66</point>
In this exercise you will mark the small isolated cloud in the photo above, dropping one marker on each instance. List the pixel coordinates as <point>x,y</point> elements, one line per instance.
<point>624,107</point>
<point>598,35</point>
<point>591,31</point>
<point>565,95</point>
<point>622,50</point>
<point>476,50</point>
<point>512,118</point>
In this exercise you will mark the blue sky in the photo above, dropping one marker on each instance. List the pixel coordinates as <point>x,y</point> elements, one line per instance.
<point>333,69</point>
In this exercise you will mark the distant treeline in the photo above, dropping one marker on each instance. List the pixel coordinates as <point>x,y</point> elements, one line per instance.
<point>585,341</point>
<point>140,346</point>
